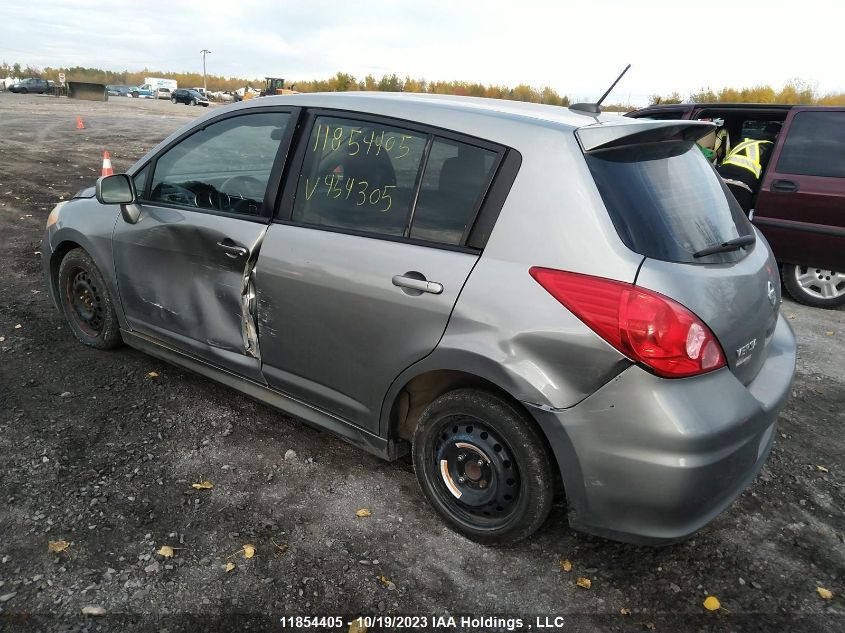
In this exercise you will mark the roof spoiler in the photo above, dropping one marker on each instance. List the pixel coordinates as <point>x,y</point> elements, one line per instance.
<point>608,135</point>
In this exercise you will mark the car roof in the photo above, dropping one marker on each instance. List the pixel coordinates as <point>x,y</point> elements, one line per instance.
<point>419,106</point>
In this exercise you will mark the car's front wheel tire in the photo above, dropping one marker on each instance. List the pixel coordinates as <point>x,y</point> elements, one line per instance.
<point>816,287</point>
<point>193,102</point>
<point>173,100</point>
<point>483,465</point>
<point>86,302</point>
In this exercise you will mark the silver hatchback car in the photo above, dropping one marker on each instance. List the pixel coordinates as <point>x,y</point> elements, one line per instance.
<point>528,299</point>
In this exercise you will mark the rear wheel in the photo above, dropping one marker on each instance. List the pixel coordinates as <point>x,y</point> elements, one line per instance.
<point>815,286</point>
<point>484,466</point>
<point>86,302</point>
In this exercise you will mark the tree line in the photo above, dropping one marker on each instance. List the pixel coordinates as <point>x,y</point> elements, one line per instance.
<point>340,82</point>
<point>793,92</point>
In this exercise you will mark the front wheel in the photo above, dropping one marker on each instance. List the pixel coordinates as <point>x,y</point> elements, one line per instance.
<point>193,102</point>
<point>815,286</point>
<point>86,302</point>
<point>173,100</point>
<point>483,465</point>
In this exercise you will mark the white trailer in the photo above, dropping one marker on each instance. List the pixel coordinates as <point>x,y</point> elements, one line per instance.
<point>158,82</point>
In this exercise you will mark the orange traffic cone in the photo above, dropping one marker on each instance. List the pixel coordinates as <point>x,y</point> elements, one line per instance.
<point>107,170</point>
<point>79,124</point>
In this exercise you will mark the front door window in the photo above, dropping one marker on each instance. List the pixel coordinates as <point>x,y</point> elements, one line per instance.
<point>223,167</point>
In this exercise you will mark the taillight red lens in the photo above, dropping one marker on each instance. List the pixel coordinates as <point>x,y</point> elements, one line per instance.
<point>644,325</point>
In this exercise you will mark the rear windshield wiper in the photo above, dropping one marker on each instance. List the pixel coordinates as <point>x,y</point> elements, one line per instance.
<point>731,245</point>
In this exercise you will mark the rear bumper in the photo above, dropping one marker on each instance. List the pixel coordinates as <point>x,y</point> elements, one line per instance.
<point>649,460</point>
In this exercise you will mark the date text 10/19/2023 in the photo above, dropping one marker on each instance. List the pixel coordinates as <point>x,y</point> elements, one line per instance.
<point>411,622</point>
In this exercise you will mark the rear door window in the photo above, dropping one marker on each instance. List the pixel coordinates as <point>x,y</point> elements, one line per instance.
<point>359,175</point>
<point>667,202</point>
<point>815,145</point>
<point>374,177</point>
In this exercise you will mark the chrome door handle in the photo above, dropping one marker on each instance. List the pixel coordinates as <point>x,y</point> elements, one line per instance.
<point>421,285</point>
<point>232,250</point>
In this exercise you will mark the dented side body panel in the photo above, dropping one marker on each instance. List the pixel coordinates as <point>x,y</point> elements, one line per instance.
<point>178,285</point>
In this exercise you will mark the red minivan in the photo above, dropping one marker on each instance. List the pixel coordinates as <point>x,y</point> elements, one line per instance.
<point>800,206</point>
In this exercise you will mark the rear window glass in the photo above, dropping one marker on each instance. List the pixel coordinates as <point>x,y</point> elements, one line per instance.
<point>667,202</point>
<point>815,145</point>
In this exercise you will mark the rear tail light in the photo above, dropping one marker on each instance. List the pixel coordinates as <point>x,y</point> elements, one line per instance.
<point>644,325</point>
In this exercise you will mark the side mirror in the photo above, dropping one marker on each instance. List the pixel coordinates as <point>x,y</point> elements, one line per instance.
<point>115,189</point>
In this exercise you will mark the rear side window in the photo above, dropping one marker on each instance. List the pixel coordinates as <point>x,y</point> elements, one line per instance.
<point>374,177</point>
<point>455,181</point>
<point>359,175</point>
<point>815,145</point>
<point>667,202</point>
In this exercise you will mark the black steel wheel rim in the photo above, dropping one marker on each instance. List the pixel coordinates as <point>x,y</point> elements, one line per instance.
<point>475,473</point>
<point>85,301</point>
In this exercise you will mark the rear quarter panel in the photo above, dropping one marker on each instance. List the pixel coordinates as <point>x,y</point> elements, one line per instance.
<point>505,327</point>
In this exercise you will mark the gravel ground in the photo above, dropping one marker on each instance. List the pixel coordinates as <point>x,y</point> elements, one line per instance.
<point>100,449</point>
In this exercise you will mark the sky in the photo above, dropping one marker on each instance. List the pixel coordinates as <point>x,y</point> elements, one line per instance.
<point>576,48</point>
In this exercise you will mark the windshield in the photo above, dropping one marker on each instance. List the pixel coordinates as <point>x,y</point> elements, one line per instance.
<point>667,202</point>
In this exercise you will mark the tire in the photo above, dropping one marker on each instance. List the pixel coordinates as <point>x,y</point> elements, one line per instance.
<point>24,91</point>
<point>86,302</point>
<point>193,102</point>
<point>135,95</point>
<point>173,100</point>
<point>814,286</point>
<point>493,457</point>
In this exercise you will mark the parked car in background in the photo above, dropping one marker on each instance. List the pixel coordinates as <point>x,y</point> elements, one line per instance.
<point>117,90</point>
<point>223,95</point>
<point>188,97</point>
<point>800,205</point>
<point>163,93</point>
<point>33,85</point>
<point>514,293</point>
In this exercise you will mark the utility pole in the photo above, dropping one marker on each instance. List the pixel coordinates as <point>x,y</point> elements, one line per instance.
<point>204,52</point>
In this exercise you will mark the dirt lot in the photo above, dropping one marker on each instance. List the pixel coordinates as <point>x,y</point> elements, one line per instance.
<point>99,452</point>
